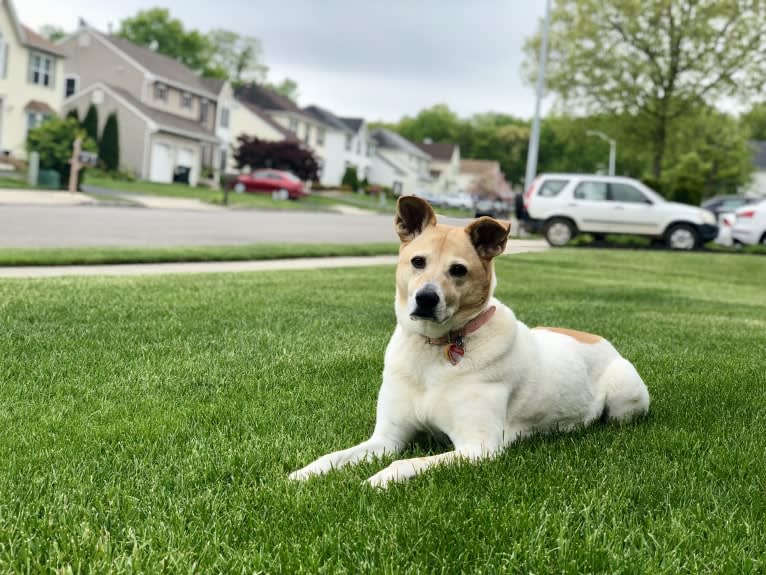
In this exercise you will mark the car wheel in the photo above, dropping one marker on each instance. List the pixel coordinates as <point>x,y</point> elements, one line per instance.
<point>682,237</point>
<point>558,231</point>
<point>239,187</point>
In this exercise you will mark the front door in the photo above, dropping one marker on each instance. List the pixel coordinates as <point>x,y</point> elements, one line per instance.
<point>162,163</point>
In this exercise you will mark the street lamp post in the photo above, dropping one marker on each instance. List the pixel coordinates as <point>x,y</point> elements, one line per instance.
<point>534,137</point>
<point>612,147</point>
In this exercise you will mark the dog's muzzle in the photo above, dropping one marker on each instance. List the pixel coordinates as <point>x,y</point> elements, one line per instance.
<point>427,301</point>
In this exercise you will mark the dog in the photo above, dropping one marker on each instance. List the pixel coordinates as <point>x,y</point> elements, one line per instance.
<point>460,363</point>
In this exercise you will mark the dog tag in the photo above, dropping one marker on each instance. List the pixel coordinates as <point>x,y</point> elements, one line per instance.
<point>454,353</point>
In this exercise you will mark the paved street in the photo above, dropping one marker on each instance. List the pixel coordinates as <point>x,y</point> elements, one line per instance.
<point>67,226</point>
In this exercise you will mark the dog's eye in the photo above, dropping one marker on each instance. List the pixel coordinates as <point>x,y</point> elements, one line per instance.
<point>458,270</point>
<point>418,262</point>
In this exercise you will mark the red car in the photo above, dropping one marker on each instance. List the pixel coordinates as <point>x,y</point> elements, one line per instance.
<point>270,181</point>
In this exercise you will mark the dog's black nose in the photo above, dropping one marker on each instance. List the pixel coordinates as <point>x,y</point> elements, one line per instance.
<point>427,298</point>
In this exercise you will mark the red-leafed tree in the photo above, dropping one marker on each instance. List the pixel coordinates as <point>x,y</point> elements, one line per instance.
<point>284,155</point>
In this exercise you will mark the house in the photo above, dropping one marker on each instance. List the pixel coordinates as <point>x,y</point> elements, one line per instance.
<point>31,81</point>
<point>444,167</point>
<point>250,120</point>
<point>483,178</point>
<point>757,184</point>
<point>331,148</point>
<point>358,149</point>
<point>399,164</point>
<point>169,117</point>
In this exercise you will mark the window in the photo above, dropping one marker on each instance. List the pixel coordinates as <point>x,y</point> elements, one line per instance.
<point>34,119</point>
<point>320,136</point>
<point>627,193</point>
<point>307,136</point>
<point>186,100</point>
<point>160,92</point>
<point>551,188</point>
<point>224,117</point>
<point>294,125</point>
<point>203,111</point>
<point>358,147</point>
<point>70,87</point>
<point>592,191</point>
<point>348,143</point>
<point>3,57</point>
<point>41,70</point>
<point>223,160</point>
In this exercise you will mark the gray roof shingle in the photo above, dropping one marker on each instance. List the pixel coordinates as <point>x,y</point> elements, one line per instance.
<point>437,150</point>
<point>266,98</point>
<point>387,139</point>
<point>326,117</point>
<point>353,123</point>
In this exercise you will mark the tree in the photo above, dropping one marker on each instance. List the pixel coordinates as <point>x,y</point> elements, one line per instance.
<point>653,59</point>
<point>73,114</point>
<point>437,123</point>
<point>350,178</point>
<point>237,57</point>
<point>90,122</point>
<point>287,87</point>
<point>52,32</point>
<point>109,147</point>
<point>755,120</point>
<point>53,141</point>
<point>157,30</point>
<point>284,155</point>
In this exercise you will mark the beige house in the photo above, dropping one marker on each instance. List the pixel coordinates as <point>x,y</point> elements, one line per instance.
<point>444,167</point>
<point>399,164</point>
<point>30,81</point>
<point>173,124</point>
<point>483,178</point>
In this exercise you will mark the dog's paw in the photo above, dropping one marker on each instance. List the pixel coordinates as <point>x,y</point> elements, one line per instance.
<point>397,471</point>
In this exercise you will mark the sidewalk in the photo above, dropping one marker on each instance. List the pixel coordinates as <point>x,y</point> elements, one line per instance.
<point>44,198</point>
<point>514,247</point>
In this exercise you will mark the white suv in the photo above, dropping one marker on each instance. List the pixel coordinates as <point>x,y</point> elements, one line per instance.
<point>562,205</point>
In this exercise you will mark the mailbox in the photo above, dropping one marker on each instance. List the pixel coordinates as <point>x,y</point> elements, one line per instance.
<point>88,159</point>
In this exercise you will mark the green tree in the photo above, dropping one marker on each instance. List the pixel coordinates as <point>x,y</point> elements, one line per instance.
<point>287,87</point>
<point>156,29</point>
<point>438,123</point>
<point>73,114</point>
<point>653,59</point>
<point>109,147</point>
<point>685,181</point>
<point>755,121</point>
<point>53,141</point>
<point>52,32</point>
<point>237,57</point>
<point>350,178</point>
<point>90,122</point>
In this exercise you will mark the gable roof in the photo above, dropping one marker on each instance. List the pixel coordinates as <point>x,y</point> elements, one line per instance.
<point>252,108</point>
<point>402,171</point>
<point>438,151</point>
<point>213,84</point>
<point>387,139</point>
<point>326,117</point>
<point>162,121</point>
<point>266,98</point>
<point>353,123</point>
<point>479,166</point>
<point>759,154</point>
<point>34,40</point>
<point>164,68</point>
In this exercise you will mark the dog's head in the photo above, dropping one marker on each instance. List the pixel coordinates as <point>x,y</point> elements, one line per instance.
<point>445,274</point>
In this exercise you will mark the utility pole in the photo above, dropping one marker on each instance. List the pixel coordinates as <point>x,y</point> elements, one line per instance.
<point>612,147</point>
<point>534,138</point>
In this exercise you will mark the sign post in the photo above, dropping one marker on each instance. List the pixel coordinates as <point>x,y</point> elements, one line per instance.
<point>74,164</point>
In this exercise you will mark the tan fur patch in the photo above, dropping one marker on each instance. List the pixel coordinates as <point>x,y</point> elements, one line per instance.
<point>581,336</point>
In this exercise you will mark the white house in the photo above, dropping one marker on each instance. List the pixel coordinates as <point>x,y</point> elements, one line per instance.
<point>444,167</point>
<point>331,148</point>
<point>399,164</point>
<point>31,81</point>
<point>358,148</point>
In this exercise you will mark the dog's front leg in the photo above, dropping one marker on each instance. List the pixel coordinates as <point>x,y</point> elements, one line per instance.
<point>404,469</point>
<point>375,446</point>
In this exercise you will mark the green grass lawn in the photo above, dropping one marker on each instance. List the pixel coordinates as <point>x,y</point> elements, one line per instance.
<point>315,201</point>
<point>148,425</point>
<point>13,183</point>
<point>121,255</point>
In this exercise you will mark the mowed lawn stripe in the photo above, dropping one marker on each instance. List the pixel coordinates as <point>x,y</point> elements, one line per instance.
<point>148,424</point>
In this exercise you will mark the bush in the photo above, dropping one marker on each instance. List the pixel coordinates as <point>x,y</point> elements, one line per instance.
<point>288,156</point>
<point>685,181</point>
<point>73,114</point>
<point>53,141</point>
<point>350,178</point>
<point>109,148</point>
<point>90,123</point>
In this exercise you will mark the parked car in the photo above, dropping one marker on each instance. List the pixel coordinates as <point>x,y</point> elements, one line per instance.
<point>750,227</point>
<point>495,208</point>
<point>464,201</point>
<point>563,205</point>
<point>727,204</point>
<point>271,181</point>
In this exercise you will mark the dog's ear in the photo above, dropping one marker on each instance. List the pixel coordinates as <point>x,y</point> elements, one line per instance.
<point>413,216</point>
<point>488,236</point>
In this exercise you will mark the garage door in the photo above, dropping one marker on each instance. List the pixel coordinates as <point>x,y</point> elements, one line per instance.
<point>185,158</point>
<point>162,163</point>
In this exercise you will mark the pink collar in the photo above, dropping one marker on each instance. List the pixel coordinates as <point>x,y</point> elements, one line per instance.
<point>455,349</point>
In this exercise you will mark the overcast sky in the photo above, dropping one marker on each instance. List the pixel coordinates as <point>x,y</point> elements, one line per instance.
<point>379,59</point>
